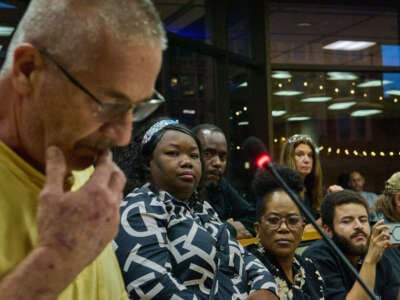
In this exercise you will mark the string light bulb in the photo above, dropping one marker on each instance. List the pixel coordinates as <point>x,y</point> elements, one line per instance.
<point>361,153</point>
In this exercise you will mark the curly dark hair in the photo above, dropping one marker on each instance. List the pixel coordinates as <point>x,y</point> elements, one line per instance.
<point>133,159</point>
<point>265,183</point>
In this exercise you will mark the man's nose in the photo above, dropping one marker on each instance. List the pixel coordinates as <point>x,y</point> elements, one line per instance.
<point>120,130</point>
<point>216,161</point>
<point>358,223</point>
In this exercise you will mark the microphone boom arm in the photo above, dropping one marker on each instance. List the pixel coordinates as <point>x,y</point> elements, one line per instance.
<point>269,165</point>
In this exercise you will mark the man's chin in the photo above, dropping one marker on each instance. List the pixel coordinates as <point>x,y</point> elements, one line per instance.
<point>349,248</point>
<point>212,183</point>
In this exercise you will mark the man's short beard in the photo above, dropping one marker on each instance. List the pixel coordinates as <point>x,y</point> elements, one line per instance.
<point>347,248</point>
<point>211,184</point>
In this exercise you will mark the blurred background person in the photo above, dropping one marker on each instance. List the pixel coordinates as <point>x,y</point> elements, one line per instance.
<point>280,226</point>
<point>388,208</point>
<point>171,245</point>
<point>227,202</point>
<point>301,154</point>
<point>356,183</point>
<point>388,204</point>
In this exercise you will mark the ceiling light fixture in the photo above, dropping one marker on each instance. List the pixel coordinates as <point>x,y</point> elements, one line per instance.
<point>6,30</point>
<point>365,112</point>
<point>373,83</point>
<point>278,113</point>
<point>348,45</point>
<point>341,106</point>
<point>288,93</point>
<point>281,75</point>
<point>298,118</point>
<point>303,24</point>
<point>341,76</point>
<point>6,5</point>
<point>316,99</point>
<point>189,111</point>
<point>393,92</point>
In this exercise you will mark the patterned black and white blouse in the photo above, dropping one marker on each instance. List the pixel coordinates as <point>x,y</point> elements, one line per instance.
<point>169,249</point>
<point>307,284</point>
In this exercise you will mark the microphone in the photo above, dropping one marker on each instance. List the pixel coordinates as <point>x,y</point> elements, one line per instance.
<point>264,161</point>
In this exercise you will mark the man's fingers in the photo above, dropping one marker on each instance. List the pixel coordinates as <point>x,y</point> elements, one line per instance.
<point>117,181</point>
<point>55,170</point>
<point>107,173</point>
<point>103,168</point>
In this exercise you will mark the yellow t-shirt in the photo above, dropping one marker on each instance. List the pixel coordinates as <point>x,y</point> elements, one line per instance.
<point>20,185</point>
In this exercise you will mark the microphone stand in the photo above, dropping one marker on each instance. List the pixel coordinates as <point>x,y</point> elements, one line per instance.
<point>269,165</point>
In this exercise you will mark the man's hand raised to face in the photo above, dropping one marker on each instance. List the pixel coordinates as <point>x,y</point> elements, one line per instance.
<point>76,226</point>
<point>378,243</point>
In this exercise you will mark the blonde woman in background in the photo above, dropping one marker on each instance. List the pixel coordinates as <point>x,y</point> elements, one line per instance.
<point>301,154</point>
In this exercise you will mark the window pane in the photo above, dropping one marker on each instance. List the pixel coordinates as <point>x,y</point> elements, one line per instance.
<point>185,18</point>
<point>239,34</point>
<point>353,117</point>
<point>305,33</point>
<point>189,86</point>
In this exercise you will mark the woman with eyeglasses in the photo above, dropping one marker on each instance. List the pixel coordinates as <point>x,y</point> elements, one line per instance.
<point>171,245</point>
<point>280,228</point>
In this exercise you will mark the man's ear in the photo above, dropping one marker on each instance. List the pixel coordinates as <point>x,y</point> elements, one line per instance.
<point>328,230</point>
<point>26,61</point>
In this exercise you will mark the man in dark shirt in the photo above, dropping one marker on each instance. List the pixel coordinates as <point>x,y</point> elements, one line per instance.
<point>345,220</point>
<point>230,206</point>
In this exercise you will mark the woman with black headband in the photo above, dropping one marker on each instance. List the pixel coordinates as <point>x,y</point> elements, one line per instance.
<point>170,245</point>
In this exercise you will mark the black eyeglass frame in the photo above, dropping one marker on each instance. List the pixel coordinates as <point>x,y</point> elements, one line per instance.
<point>147,107</point>
<point>292,227</point>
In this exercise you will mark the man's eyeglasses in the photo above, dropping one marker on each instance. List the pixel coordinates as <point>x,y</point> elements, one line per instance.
<point>293,222</point>
<point>111,111</point>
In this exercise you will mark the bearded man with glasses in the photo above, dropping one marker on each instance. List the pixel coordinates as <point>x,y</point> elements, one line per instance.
<point>75,76</point>
<point>280,227</point>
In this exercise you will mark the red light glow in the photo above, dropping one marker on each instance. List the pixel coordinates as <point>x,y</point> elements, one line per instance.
<point>263,160</point>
